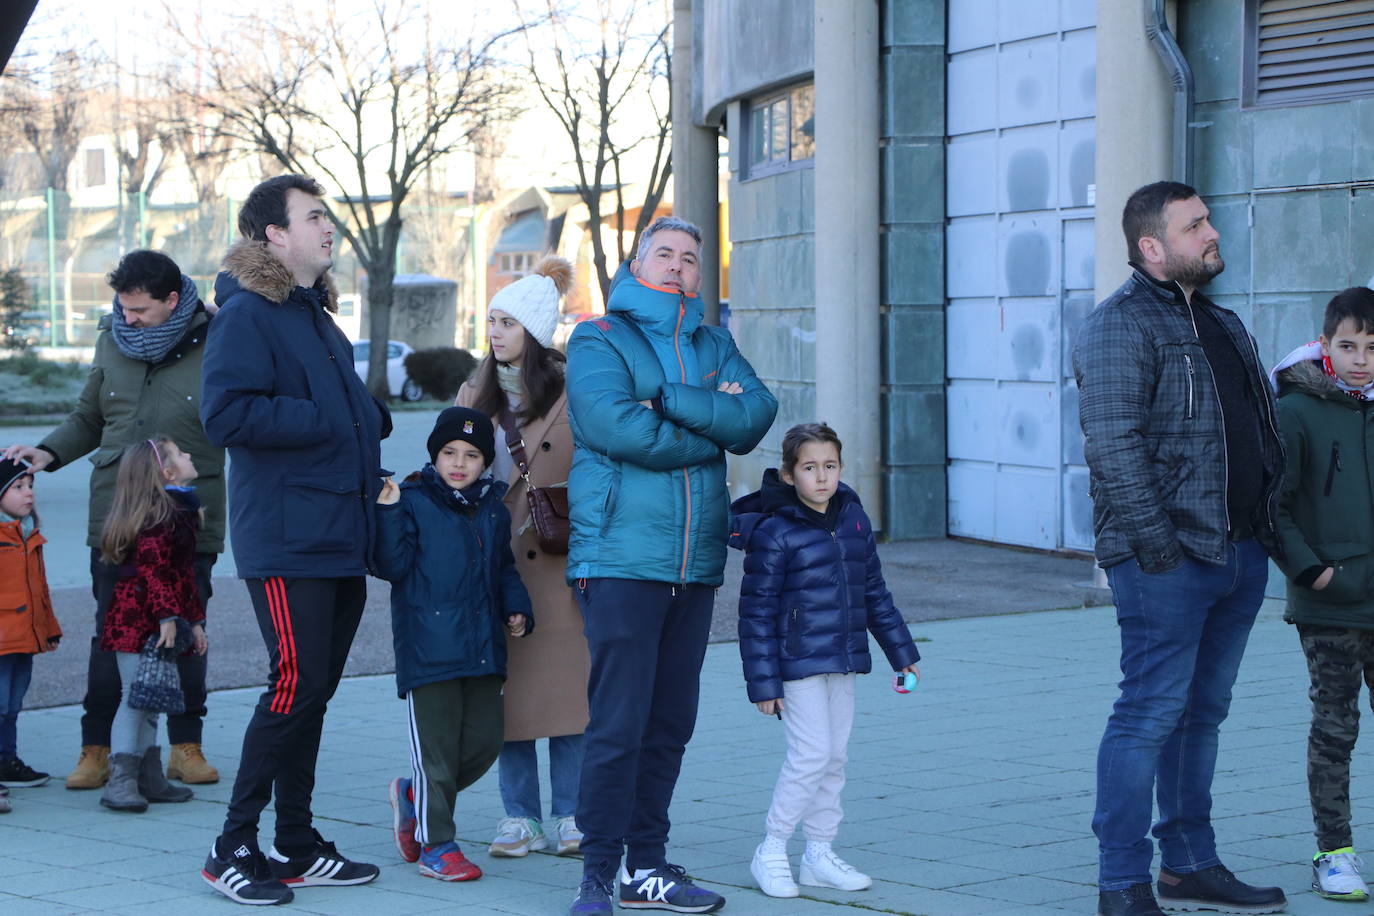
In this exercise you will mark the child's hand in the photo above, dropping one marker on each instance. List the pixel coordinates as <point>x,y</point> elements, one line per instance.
<point>198,641</point>
<point>515,624</point>
<point>1324,579</point>
<point>390,495</point>
<point>167,634</point>
<point>52,643</point>
<point>770,707</point>
<point>914,670</point>
<point>730,388</point>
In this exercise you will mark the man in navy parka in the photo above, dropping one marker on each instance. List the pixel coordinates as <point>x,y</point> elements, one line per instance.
<point>304,440</point>
<point>655,400</point>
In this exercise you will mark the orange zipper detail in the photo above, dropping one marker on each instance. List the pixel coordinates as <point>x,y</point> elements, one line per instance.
<point>686,480</point>
<point>677,336</point>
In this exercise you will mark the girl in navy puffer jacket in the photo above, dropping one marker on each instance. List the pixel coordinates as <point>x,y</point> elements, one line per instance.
<point>813,589</point>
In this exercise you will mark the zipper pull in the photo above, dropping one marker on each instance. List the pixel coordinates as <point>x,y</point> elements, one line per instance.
<point>1336,449</point>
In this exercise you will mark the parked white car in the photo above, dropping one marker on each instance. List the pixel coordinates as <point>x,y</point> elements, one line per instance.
<point>396,378</point>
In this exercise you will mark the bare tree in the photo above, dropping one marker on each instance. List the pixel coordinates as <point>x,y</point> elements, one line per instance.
<point>366,102</point>
<point>207,153</point>
<point>19,182</point>
<point>47,91</point>
<point>144,140</point>
<point>595,73</point>
<point>47,99</point>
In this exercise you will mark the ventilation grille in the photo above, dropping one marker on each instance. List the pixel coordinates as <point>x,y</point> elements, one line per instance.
<point>1307,50</point>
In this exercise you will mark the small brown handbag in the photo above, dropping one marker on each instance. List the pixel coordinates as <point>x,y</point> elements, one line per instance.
<point>548,505</point>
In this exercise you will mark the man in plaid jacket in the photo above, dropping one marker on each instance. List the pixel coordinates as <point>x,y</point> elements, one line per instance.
<point>1182,442</point>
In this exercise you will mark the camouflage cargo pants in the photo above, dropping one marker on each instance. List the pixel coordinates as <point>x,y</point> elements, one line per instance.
<point>1338,660</point>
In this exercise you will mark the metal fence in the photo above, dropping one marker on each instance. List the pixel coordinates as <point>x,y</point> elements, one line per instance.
<point>64,250</point>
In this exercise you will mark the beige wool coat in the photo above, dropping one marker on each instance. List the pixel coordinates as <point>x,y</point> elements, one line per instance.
<point>546,672</point>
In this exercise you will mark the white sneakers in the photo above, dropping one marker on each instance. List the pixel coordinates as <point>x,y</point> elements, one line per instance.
<point>569,838</point>
<point>1336,875</point>
<point>517,837</point>
<point>829,870</point>
<point>773,873</point>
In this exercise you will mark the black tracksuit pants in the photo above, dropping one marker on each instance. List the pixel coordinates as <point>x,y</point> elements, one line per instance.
<point>103,687</point>
<point>308,626</point>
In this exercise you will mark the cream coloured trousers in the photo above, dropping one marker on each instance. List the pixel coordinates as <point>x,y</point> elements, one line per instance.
<point>817,717</point>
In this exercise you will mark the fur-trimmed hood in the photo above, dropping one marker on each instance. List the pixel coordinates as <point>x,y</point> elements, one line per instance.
<point>1302,370</point>
<point>249,265</point>
<point>1308,377</point>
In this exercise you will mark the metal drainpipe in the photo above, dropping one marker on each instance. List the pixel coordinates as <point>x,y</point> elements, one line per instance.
<point>1181,76</point>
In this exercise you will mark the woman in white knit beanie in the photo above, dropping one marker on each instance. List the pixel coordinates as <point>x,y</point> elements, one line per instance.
<point>546,680</point>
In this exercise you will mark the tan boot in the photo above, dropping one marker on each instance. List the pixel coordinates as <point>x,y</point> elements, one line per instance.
<point>92,770</point>
<point>187,763</point>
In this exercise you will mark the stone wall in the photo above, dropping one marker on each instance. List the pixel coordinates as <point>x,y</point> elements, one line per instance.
<point>913,258</point>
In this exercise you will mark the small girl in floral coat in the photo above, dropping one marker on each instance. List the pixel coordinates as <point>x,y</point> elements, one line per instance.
<point>150,534</point>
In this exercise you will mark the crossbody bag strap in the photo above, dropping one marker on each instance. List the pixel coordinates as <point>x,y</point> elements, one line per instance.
<point>515,444</point>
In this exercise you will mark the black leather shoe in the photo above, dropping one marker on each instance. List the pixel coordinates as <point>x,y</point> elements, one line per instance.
<point>1136,900</point>
<point>1218,890</point>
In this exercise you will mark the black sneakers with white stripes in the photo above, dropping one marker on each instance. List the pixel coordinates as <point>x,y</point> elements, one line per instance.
<point>323,865</point>
<point>243,875</point>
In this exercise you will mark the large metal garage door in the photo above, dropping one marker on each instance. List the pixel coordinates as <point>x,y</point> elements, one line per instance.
<point>1020,266</point>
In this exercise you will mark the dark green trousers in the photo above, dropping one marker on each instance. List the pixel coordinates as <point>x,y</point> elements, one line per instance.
<point>456,728</point>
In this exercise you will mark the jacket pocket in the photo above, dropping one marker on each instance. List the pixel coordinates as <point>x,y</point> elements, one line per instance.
<point>792,641</point>
<point>14,588</point>
<point>320,514</point>
<point>608,505</point>
<point>1188,361</point>
<point>1332,467</point>
<point>1349,583</point>
<point>106,455</point>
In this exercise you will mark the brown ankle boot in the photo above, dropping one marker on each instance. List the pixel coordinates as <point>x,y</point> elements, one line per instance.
<point>92,770</point>
<point>187,763</point>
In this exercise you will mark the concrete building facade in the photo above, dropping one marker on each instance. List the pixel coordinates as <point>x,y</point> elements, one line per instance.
<point>995,133</point>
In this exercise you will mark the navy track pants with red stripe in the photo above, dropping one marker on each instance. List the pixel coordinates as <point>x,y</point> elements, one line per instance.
<point>308,626</point>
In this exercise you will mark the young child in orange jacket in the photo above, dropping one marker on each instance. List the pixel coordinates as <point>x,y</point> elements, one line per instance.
<point>27,624</point>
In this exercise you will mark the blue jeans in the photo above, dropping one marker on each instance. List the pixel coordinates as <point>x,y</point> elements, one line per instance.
<point>16,669</point>
<point>519,777</point>
<point>1182,637</point>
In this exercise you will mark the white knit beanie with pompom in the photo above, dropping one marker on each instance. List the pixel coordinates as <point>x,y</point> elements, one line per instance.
<point>533,300</point>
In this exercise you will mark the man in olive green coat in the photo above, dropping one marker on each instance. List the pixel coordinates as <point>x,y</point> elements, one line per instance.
<point>144,382</point>
<point>1326,526</point>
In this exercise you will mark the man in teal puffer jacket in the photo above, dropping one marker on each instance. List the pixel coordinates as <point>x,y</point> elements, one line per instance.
<point>655,400</point>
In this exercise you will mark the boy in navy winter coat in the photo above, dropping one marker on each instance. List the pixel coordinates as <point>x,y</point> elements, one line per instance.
<point>812,591</point>
<point>443,541</point>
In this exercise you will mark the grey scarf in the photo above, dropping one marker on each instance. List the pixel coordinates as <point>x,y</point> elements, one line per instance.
<point>508,377</point>
<point>151,345</point>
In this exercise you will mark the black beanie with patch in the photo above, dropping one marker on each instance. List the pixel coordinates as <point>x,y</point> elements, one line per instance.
<point>10,471</point>
<point>466,424</point>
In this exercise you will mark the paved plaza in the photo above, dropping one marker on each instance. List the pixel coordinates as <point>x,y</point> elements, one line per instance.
<point>970,797</point>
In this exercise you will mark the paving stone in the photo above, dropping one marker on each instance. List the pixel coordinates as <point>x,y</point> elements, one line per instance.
<point>972,797</point>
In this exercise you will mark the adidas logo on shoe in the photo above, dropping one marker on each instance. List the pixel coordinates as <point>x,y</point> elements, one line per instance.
<point>323,866</point>
<point>244,877</point>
